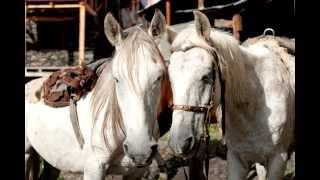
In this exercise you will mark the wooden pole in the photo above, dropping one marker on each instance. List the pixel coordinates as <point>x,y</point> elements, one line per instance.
<point>236,25</point>
<point>200,4</point>
<point>82,20</point>
<point>61,6</point>
<point>168,12</point>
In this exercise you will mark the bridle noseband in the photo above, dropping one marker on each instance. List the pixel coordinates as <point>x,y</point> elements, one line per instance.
<point>199,109</point>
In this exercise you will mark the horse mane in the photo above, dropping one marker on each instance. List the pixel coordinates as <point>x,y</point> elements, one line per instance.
<point>229,58</point>
<point>104,99</point>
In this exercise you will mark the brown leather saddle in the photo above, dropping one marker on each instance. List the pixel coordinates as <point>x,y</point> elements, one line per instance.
<point>68,83</point>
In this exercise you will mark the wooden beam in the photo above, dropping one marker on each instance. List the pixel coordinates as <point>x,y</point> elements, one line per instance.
<point>52,6</point>
<point>62,6</point>
<point>223,23</point>
<point>82,20</point>
<point>216,8</point>
<point>168,12</point>
<point>90,10</point>
<point>236,25</point>
<point>50,19</point>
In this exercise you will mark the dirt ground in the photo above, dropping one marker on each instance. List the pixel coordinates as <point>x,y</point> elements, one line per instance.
<point>217,171</point>
<point>217,165</point>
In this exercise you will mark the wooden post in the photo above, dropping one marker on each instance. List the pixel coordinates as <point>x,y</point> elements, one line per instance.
<point>200,4</point>
<point>82,20</point>
<point>168,12</point>
<point>236,25</point>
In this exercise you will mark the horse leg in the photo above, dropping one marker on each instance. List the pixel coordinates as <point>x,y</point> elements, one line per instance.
<point>158,167</point>
<point>32,165</point>
<point>196,169</point>
<point>138,174</point>
<point>277,166</point>
<point>153,171</point>
<point>94,169</point>
<point>261,171</point>
<point>237,169</point>
<point>49,172</point>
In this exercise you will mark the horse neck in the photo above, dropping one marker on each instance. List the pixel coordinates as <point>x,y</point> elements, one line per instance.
<point>234,64</point>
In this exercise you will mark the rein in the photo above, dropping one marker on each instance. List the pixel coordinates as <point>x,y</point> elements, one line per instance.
<point>207,109</point>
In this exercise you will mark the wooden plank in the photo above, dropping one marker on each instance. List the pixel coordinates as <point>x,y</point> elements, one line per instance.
<point>90,10</point>
<point>41,71</point>
<point>37,74</point>
<point>45,68</point>
<point>200,4</point>
<point>236,25</point>
<point>215,8</point>
<point>82,20</point>
<point>168,12</point>
<point>47,1</point>
<point>223,23</point>
<point>50,19</point>
<point>53,6</point>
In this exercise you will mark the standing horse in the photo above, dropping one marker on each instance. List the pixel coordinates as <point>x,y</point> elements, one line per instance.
<point>118,119</point>
<point>255,87</point>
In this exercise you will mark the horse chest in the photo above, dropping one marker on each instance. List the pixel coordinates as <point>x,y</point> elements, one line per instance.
<point>249,132</point>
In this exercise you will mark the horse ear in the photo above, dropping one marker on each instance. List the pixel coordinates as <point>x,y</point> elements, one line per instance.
<point>112,29</point>
<point>202,24</point>
<point>171,34</point>
<point>158,25</point>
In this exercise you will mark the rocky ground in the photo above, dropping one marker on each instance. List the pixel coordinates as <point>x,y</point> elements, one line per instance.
<point>178,169</point>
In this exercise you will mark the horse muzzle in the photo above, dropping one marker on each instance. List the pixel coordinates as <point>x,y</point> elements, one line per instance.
<point>140,157</point>
<point>183,147</point>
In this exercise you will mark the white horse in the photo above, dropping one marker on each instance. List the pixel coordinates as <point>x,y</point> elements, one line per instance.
<point>118,119</point>
<point>255,85</point>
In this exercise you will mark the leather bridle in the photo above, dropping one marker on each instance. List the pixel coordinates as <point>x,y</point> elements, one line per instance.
<point>207,109</point>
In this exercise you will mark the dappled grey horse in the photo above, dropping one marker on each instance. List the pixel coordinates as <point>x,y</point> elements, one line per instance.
<point>255,85</point>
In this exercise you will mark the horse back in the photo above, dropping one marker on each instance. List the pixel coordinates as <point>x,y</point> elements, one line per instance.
<point>33,90</point>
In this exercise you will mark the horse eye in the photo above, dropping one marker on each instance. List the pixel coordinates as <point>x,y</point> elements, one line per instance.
<point>206,79</point>
<point>159,78</point>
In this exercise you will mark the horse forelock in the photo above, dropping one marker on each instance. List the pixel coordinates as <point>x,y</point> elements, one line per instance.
<point>137,49</point>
